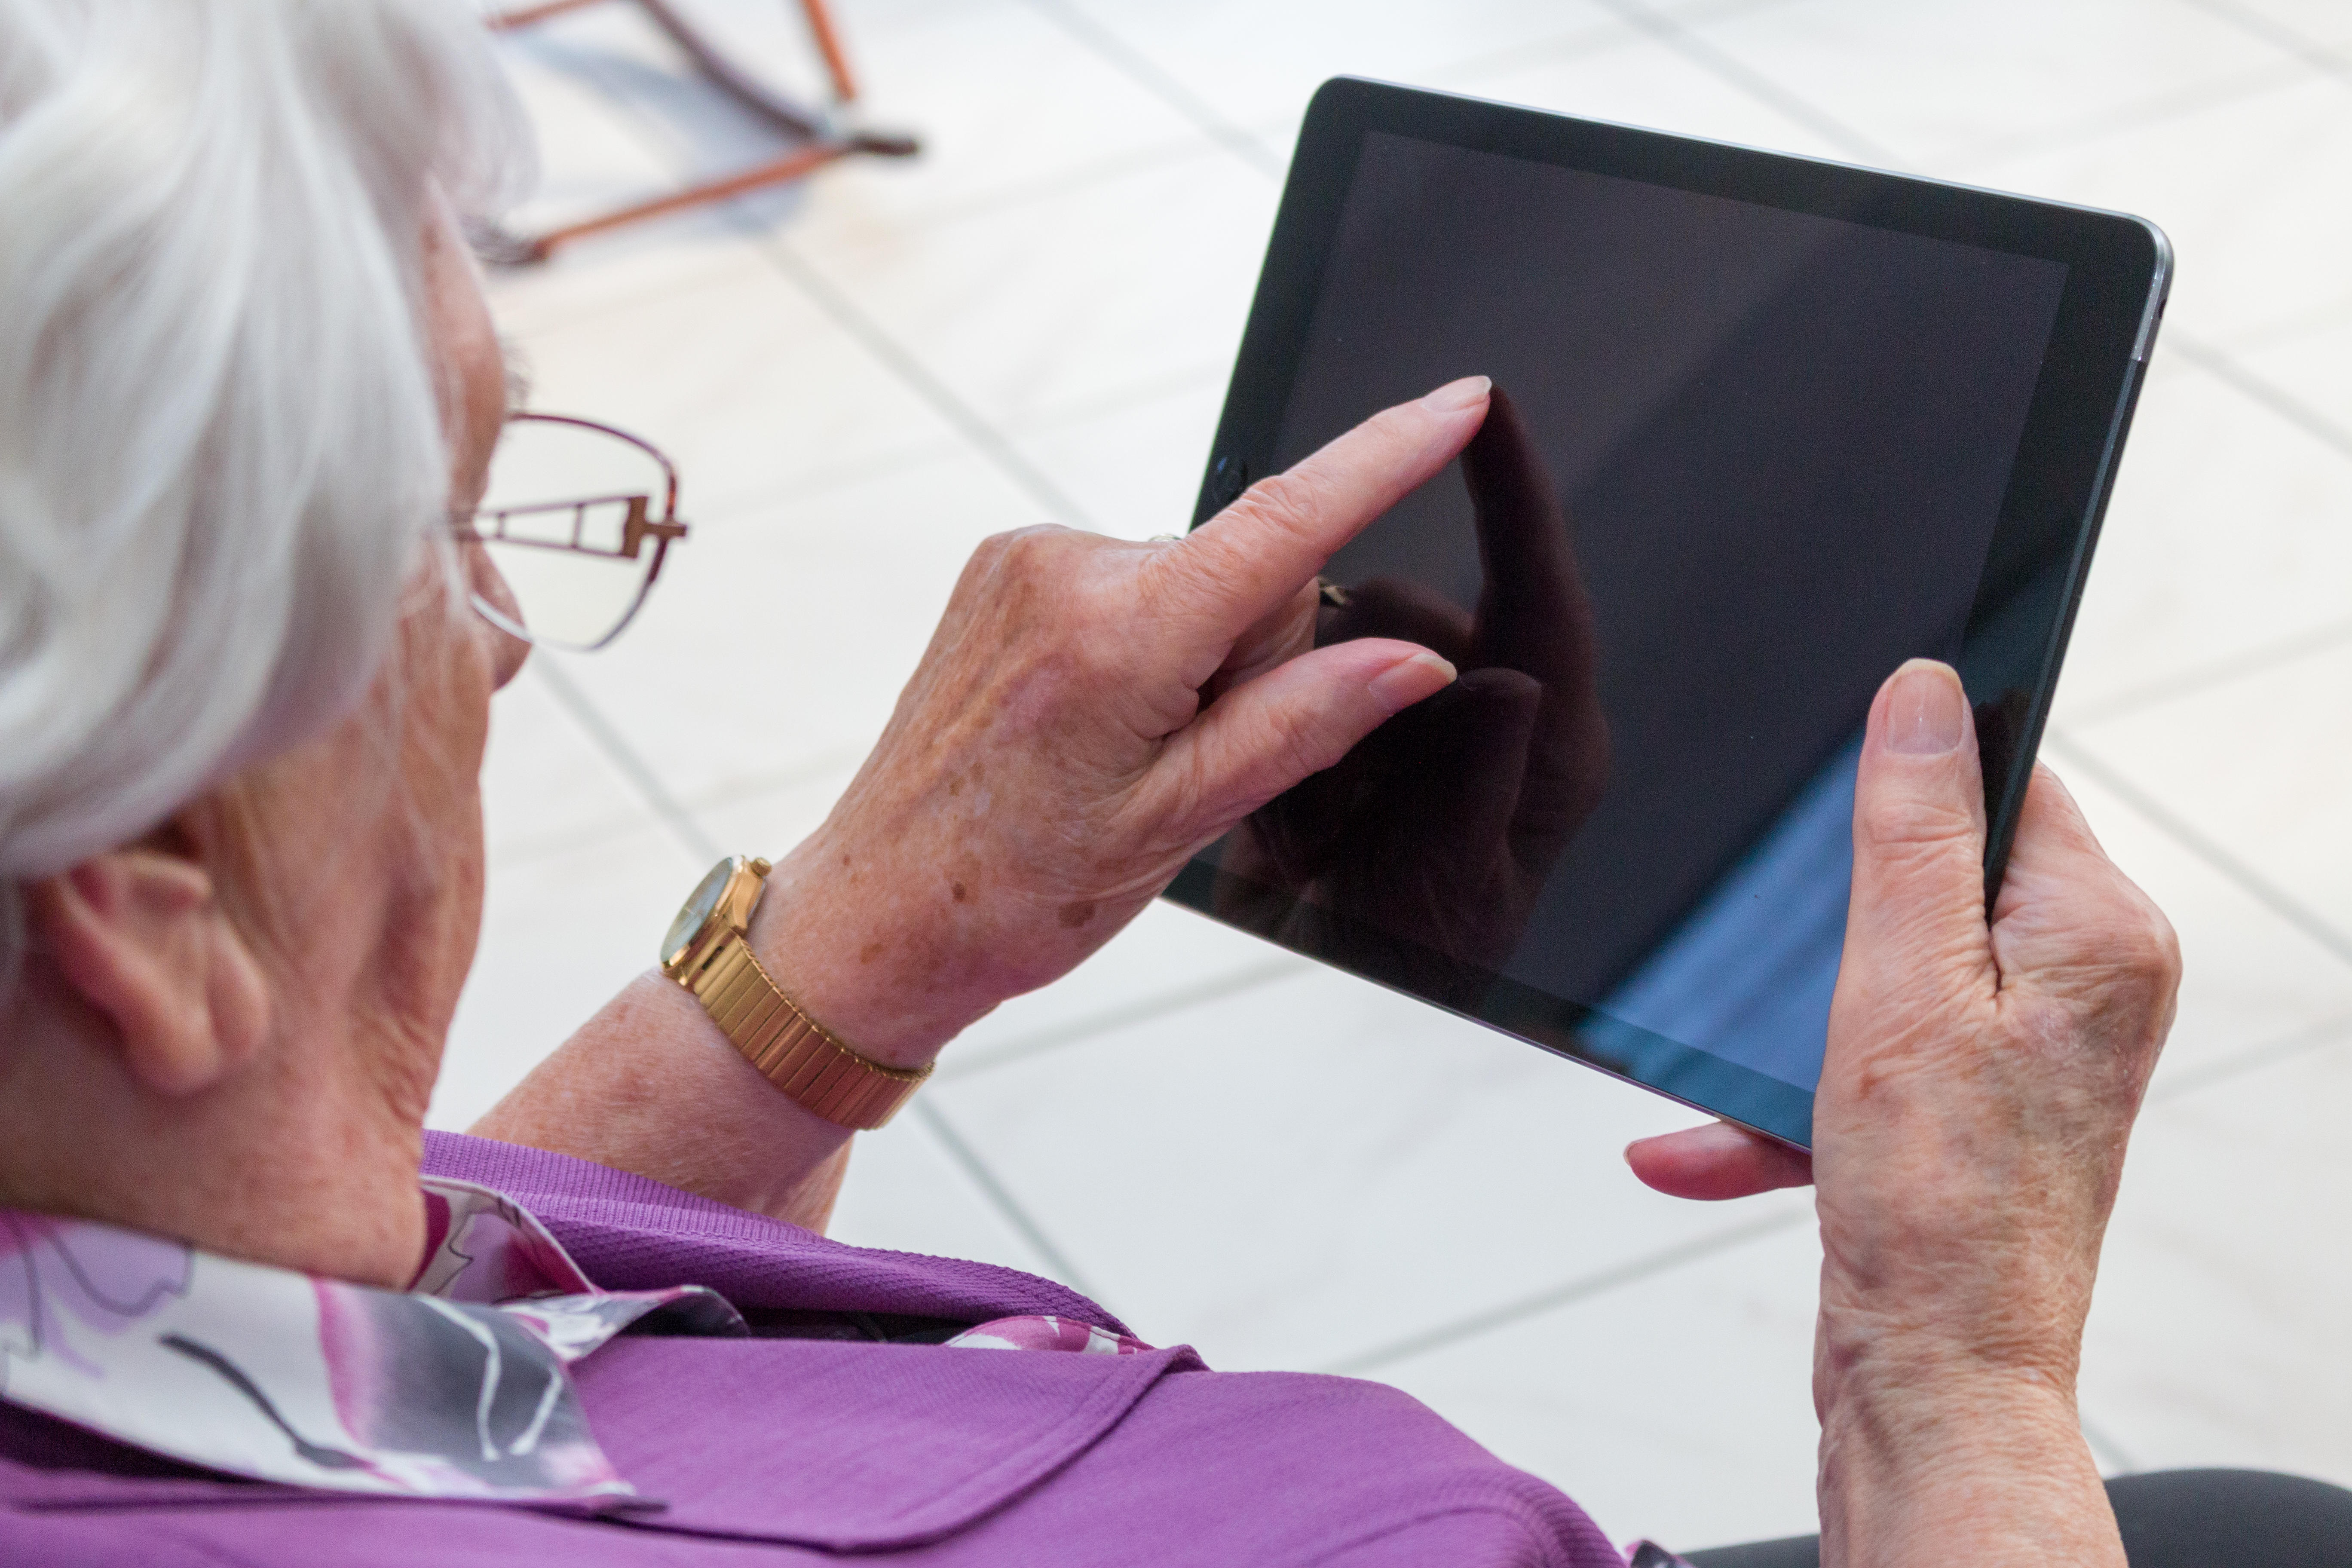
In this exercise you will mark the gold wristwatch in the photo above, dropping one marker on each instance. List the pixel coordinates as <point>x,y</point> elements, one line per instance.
<point>706,953</point>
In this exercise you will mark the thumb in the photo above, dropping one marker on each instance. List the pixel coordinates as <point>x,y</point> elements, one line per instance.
<point>1265,735</point>
<point>1918,829</point>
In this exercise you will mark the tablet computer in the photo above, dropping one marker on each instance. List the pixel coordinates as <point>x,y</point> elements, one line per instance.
<point>1766,428</point>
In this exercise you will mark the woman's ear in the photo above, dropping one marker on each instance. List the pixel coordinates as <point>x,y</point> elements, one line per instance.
<point>140,934</point>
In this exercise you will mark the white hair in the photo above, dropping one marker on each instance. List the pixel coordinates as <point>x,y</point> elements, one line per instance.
<point>221,448</point>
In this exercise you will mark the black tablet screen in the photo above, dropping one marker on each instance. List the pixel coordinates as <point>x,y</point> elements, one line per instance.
<point>1755,461</point>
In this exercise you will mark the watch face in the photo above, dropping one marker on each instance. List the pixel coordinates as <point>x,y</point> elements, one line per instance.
<point>698,909</point>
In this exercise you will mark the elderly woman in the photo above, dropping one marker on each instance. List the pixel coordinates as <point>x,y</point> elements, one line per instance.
<point>249,1312</point>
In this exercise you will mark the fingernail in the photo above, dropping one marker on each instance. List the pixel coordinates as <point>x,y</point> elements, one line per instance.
<point>1457,395</point>
<point>1408,681</point>
<point>1924,711</point>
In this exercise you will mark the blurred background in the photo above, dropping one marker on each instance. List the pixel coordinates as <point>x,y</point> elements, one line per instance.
<point>862,373</point>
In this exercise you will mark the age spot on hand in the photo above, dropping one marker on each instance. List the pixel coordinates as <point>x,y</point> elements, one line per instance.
<point>1077,915</point>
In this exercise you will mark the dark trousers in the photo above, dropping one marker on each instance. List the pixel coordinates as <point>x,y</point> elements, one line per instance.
<point>2171,1519</point>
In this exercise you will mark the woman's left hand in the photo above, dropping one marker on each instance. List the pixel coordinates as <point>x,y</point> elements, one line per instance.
<point>1091,713</point>
<point>1975,1100</point>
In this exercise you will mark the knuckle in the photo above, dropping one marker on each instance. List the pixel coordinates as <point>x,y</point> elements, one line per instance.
<point>1000,561</point>
<point>1024,565</point>
<point>1907,824</point>
<point>1020,594</point>
<point>1177,583</point>
<point>2117,998</point>
<point>2123,933</point>
<point>1290,500</point>
<point>1296,743</point>
<point>2147,951</point>
<point>1032,551</point>
<point>982,563</point>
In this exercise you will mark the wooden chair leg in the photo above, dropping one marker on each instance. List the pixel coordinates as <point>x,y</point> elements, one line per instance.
<point>524,15</point>
<point>820,143</point>
<point>777,172</point>
<point>828,44</point>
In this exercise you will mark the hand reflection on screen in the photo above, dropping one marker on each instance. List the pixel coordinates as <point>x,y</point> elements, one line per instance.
<point>1441,826</point>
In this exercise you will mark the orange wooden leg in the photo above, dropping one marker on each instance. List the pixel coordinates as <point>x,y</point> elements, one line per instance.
<point>818,143</point>
<point>828,44</point>
<point>524,15</point>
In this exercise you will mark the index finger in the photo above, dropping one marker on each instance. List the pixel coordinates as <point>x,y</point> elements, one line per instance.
<point>1240,564</point>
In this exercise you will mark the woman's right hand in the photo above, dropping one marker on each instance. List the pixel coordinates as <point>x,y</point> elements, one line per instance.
<point>1091,712</point>
<point>1977,1092</point>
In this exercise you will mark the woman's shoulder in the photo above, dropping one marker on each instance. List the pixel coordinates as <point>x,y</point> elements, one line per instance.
<point>629,1232</point>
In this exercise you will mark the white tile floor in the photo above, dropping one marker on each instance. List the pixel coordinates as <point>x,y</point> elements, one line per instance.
<point>1034,321</point>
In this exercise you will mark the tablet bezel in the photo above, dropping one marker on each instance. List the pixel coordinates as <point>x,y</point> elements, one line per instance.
<point>2120,268</point>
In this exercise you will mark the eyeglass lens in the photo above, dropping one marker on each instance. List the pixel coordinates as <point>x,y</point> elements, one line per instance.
<point>564,520</point>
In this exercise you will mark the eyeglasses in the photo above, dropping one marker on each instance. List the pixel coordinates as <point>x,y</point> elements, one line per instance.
<point>567,515</point>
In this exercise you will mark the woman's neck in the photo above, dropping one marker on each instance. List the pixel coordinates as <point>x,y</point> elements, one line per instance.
<point>296,1160</point>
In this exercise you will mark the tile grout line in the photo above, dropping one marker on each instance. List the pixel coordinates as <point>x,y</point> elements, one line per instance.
<point>2135,114</point>
<point>1057,419</point>
<point>1159,1004</point>
<point>1578,1289</point>
<point>2097,1438</point>
<point>2248,881</point>
<point>682,823</point>
<point>2221,672</point>
<point>532,848</point>
<point>2261,390</point>
<point>992,444</point>
<point>1001,1198</point>
<point>2302,46</point>
<point>1138,68</point>
<point>1679,36</point>
<point>1149,158</point>
<point>1677,33</point>
<point>735,506</point>
<point>2252,1058</point>
<point>1582,42</point>
<point>1727,69</point>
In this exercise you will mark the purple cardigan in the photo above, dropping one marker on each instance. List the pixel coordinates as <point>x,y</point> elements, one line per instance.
<point>792,1450</point>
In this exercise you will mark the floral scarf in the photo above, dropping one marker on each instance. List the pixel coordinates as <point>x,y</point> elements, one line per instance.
<point>456,1387</point>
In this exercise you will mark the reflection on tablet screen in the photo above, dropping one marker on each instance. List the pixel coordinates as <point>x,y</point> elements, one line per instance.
<point>1745,462</point>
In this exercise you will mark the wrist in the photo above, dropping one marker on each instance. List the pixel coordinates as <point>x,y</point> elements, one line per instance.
<point>1991,1471</point>
<point>1935,1451</point>
<point>1923,1415</point>
<point>884,978</point>
<point>1957,1322</point>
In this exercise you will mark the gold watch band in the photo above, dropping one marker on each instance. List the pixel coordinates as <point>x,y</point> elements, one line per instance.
<point>790,1049</point>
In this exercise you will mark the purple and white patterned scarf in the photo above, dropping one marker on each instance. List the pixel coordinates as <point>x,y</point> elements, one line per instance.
<point>457,1387</point>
